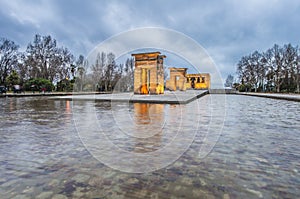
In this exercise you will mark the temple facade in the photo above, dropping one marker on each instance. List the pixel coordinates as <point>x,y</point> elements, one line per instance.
<point>177,79</point>
<point>180,80</point>
<point>198,81</point>
<point>149,73</point>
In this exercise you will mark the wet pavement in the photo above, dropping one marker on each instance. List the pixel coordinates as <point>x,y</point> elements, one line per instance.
<point>169,97</point>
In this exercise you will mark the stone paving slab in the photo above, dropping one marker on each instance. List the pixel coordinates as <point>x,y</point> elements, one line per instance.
<point>291,97</point>
<point>177,97</point>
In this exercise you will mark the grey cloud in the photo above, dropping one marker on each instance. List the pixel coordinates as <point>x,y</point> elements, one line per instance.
<point>227,29</point>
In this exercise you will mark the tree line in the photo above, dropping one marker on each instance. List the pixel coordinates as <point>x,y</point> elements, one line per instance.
<point>104,74</point>
<point>45,64</point>
<point>275,70</point>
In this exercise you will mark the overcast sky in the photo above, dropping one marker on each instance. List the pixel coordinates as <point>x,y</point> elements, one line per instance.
<point>226,29</point>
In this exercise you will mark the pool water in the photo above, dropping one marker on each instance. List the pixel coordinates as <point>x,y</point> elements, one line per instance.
<point>48,151</point>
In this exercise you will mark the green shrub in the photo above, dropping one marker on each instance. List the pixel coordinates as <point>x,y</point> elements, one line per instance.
<point>65,85</point>
<point>37,84</point>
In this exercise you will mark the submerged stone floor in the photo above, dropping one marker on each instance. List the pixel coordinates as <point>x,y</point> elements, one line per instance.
<point>177,97</point>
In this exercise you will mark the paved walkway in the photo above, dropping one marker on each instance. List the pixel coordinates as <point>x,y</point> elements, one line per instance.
<point>292,97</point>
<point>177,97</point>
<point>36,94</point>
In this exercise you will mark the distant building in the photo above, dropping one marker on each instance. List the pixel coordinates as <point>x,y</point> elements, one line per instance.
<point>198,81</point>
<point>149,73</point>
<point>177,79</point>
<point>180,80</point>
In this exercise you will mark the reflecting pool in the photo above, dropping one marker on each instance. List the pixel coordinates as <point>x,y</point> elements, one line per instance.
<point>47,151</point>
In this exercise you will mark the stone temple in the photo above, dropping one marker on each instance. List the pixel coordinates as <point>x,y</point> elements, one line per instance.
<point>149,73</point>
<point>180,80</point>
<point>149,76</point>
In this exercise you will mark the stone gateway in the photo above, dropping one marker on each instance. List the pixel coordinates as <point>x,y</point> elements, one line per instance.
<point>149,73</point>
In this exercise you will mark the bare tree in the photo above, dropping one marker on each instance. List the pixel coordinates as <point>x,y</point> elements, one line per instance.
<point>241,69</point>
<point>229,81</point>
<point>45,60</point>
<point>257,70</point>
<point>105,71</point>
<point>8,58</point>
<point>22,69</point>
<point>277,67</point>
<point>98,69</point>
<point>267,62</point>
<point>289,66</point>
<point>297,74</point>
<point>127,75</point>
<point>109,71</point>
<point>278,63</point>
<point>81,66</point>
<point>244,71</point>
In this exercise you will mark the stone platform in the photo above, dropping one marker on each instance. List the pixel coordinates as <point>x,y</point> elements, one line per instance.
<point>177,97</point>
<point>291,97</point>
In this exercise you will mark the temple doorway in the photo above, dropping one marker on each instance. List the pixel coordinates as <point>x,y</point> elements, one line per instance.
<point>177,85</point>
<point>145,81</point>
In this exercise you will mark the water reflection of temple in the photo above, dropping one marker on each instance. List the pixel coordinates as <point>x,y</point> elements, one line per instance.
<point>68,107</point>
<point>149,121</point>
